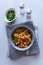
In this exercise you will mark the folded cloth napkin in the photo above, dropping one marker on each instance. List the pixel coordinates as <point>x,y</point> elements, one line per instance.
<point>13,53</point>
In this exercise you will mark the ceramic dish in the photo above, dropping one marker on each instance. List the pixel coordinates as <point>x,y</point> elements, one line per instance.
<point>10,15</point>
<point>25,27</point>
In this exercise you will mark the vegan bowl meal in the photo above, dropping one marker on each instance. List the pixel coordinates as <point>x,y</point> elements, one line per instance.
<point>22,37</point>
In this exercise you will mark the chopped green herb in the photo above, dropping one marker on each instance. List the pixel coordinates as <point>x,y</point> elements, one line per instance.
<point>25,33</point>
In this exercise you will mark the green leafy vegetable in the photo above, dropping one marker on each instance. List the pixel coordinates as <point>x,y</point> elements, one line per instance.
<point>10,15</point>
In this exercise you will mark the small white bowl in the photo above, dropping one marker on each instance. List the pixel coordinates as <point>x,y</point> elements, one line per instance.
<point>13,9</point>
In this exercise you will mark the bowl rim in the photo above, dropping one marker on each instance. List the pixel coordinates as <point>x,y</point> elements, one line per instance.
<point>13,9</point>
<point>22,49</point>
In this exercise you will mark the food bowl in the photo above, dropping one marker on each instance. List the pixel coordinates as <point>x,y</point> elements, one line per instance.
<point>24,27</point>
<point>10,15</point>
